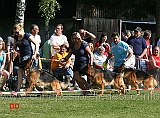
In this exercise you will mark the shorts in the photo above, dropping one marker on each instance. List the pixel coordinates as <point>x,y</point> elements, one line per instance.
<point>82,68</point>
<point>23,61</point>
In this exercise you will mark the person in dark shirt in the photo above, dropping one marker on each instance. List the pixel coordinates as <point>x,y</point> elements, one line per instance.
<point>139,46</point>
<point>23,40</point>
<point>84,33</point>
<point>123,38</point>
<point>83,57</point>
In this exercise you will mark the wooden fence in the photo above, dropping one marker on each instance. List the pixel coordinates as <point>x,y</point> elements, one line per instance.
<point>99,25</point>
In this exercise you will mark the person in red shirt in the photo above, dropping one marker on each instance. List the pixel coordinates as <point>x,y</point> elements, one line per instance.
<point>103,42</point>
<point>154,59</point>
<point>154,63</point>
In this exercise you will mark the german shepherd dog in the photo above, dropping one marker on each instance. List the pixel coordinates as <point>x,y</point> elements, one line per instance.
<point>44,78</point>
<point>105,77</point>
<point>133,77</point>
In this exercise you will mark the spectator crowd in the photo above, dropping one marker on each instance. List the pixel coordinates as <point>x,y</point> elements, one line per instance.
<point>71,60</point>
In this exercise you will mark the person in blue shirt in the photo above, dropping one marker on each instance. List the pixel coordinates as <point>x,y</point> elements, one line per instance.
<point>83,57</point>
<point>120,50</point>
<point>139,46</point>
<point>3,72</point>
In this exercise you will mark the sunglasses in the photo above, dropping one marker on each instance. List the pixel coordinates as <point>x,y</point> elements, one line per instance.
<point>63,49</point>
<point>16,32</point>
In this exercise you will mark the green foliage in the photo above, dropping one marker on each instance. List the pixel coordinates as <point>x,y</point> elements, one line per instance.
<point>48,8</point>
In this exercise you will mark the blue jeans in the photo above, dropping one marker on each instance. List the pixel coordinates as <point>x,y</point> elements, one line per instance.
<point>63,71</point>
<point>138,64</point>
<point>35,63</point>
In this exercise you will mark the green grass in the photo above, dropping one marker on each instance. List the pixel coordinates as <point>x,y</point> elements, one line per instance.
<point>74,106</point>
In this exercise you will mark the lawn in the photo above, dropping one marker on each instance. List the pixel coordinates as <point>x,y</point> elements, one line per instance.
<point>71,105</point>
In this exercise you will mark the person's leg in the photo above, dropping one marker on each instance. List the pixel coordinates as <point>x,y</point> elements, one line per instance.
<point>20,71</point>
<point>138,64</point>
<point>10,67</point>
<point>80,81</point>
<point>69,73</point>
<point>6,76</point>
<point>46,65</point>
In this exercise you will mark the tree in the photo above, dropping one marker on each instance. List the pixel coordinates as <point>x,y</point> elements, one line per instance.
<point>48,9</point>
<point>21,7</point>
<point>157,16</point>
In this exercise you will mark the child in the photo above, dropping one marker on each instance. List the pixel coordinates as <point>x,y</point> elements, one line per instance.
<point>3,72</point>
<point>61,68</point>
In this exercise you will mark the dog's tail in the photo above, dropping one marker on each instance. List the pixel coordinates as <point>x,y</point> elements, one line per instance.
<point>64,85</point>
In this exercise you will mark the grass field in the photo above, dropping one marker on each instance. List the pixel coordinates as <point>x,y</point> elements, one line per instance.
<point>71,105</point>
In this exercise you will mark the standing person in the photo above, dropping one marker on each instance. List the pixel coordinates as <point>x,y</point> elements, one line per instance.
<point>84,33</point>
<point>103,42</point>
<point>3,72</point>
<point>139,46</point>
<point>128,34</point>
<point>156,42</point>
<point>123,37</point>
<point>34,33</point>
<point>121,50</point>
<point>147,36</point>
<point>23,42</point>
<point>83,56</point>
<point>10,43</point>
<point>58,39</point>
<point>46,48</point>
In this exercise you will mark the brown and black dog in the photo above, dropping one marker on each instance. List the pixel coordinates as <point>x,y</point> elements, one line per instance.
<point>43,78</point>
<point>133,77</point>
<point>105,77</point>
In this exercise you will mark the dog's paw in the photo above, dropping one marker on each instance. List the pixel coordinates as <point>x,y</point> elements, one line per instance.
<point>22,94</point>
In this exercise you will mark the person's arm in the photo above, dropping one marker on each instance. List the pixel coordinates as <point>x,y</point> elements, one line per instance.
<point>128,57</point>
<point>56,46</point>
<point>130,53</point>
<point>97,65</point>
<point>69,54</point>
<point>143,53</point>
<point>67,44</point>
<point>90,34</point>
<point>8,50</point>
<point>31,38</point>
<point>153,63</point>
<point>68,63</point>
<point>90,54</point>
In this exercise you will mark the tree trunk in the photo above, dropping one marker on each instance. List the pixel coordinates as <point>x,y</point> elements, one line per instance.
<point>21,6</point>
<point>157,17</point>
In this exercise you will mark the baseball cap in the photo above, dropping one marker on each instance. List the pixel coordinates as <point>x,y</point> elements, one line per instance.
<point>138,29</point>
<point>1,39</point>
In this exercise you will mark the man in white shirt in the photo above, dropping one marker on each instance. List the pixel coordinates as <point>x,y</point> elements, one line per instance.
<point>34,33</point>
<point>58,39</point>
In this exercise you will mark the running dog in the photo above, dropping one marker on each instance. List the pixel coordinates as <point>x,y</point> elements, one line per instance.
<point>133,77</point>
<point>46,79</point>
<point>105,77</point>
